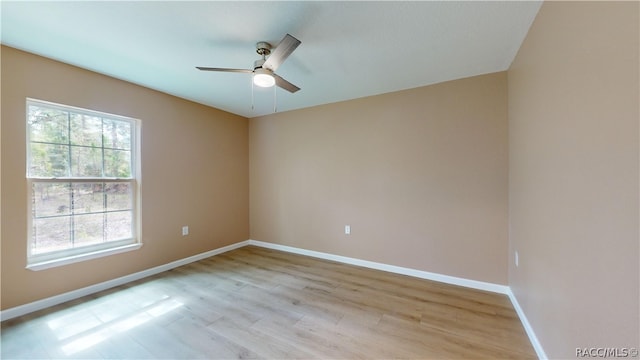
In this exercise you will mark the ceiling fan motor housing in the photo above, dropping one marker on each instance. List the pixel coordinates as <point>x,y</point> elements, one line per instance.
<point>258,64</point>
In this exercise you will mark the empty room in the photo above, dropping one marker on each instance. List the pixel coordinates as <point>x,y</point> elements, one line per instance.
<point>320,180</point>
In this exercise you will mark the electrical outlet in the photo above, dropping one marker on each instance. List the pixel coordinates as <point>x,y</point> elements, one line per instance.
<point>347,229</point>
<point>516,259</point>
<point>185,230</point>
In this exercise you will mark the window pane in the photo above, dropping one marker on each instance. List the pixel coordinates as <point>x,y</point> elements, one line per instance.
<point>117,163</point>
<point>119,196</point>
<point>48,125</point>
<point>86,162</point>
<point>117,134</point>
<point>119,226</point>
<point>49,160</point>
<point>51,199</point>
<point>88,229</point>
<point>87,198</point>
<point>86,130</point>
<point>51,234</point>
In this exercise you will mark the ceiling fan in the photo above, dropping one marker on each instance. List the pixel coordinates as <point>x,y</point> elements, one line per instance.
<point>264,69</point>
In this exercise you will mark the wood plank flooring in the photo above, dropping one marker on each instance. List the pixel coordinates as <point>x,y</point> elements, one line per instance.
<point>259,303</point>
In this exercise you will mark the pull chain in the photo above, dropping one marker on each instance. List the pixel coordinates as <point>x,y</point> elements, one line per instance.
<point>252,86</point>
<point>275,100</point>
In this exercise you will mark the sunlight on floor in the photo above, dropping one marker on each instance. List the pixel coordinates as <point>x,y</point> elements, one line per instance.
<point>83,329</point>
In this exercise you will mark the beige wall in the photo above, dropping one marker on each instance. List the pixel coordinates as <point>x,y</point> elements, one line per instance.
<point>194,172</point>
<point>573,174</point>
<point>420,175</point>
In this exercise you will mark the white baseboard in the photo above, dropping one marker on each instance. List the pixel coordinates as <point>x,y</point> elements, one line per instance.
<point>75,294</point>
<point>527,327</point>
<point>474,284</point>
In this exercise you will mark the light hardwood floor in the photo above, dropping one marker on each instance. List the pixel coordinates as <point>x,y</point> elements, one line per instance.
<point>259,303</point>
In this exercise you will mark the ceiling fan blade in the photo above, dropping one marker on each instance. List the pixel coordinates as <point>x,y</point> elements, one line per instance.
<point>224,69</point>
<point>285,84</point>
<point>281,53</point>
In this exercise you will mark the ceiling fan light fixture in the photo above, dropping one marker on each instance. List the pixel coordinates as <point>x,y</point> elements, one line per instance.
<point>263,78</point>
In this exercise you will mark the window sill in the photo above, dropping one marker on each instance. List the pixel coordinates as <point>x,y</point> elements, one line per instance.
<point>43,265</point>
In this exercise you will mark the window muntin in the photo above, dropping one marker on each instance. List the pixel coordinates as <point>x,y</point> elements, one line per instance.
<point>81,169</point>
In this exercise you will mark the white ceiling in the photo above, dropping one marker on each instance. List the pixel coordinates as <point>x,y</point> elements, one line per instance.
<point>349,49</point>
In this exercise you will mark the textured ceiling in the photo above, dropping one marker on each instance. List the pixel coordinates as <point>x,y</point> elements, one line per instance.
<point>349,49</point>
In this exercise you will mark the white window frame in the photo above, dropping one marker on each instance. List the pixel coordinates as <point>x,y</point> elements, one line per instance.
<point>67,256</point>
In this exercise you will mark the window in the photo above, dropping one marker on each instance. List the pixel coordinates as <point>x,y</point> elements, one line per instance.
<point>82,169</point>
